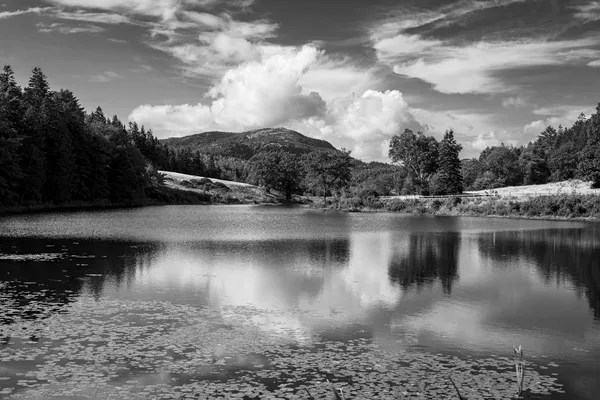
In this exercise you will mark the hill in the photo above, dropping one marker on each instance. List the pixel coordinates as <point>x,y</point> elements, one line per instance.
<point>245,144</point>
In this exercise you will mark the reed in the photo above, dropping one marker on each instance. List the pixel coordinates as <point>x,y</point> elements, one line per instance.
<point>519,370</point>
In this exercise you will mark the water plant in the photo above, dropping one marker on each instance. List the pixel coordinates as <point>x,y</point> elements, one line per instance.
<point>519,370</point>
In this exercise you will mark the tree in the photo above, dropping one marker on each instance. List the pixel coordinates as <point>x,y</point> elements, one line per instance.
<point>471,169</point>
<point>589,166</point>
<point>503,163</point>
<point>418,153</point>
<point>10,172</point>
<point>277,170</point>
<point>449,172</point>
<point>33,151</point>
<point>11,114</point>
<point>327,170</point>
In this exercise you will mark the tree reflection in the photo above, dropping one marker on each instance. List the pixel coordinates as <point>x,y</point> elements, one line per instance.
<point>559,255</point>
<point>428,257</point>
<point>34,288</point>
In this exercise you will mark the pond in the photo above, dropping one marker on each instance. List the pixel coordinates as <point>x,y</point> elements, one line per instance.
<point>189,302</point>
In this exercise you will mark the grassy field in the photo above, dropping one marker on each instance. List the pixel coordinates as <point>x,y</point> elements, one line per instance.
<point>574,186</point>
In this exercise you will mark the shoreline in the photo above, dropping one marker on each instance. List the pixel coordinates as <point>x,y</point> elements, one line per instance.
<point>576,208</point>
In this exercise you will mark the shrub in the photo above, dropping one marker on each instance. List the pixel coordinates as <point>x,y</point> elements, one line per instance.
<point>436,205</point>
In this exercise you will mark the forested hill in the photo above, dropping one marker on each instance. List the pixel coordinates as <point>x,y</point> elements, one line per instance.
<point>247,144</point>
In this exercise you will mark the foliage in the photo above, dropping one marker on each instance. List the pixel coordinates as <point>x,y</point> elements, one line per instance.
<point>329,171</point>
<point>449,172</point>
<point>419,154</point>
<point>277,170</point>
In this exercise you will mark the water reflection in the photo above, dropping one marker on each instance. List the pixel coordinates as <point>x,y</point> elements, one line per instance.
<point>427,258</point>
<point>562,257</point>
<point>443,284</point>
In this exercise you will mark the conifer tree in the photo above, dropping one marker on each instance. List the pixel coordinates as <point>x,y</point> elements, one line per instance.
<point>11,114</point>
<point>32,155</point>
<point>449,173</point>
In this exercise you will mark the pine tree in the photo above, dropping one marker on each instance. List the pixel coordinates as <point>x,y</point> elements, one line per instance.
<point>11,114</point>
<point>59,154</point>
<point>449,173</point>
<point>32,154</point>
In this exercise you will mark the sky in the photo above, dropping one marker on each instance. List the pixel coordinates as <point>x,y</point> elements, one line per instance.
<point>352,72</point>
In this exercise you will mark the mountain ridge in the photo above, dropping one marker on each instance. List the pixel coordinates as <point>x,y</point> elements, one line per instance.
<point>247,144</point>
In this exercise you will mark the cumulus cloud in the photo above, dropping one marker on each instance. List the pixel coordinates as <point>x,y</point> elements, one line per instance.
<point>252,95</point>
<point>269,92</point>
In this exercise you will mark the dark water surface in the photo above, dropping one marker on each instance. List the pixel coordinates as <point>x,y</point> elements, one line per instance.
<point>158,301</point>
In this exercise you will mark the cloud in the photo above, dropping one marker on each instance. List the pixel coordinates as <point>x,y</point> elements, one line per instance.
<point>483,140</point>
<point>339,76</point>
<point>269,93</point>
<point>255,94</point>
<point>106,76</point>
<point>595,63</point>
<point>174,120</point>
<point>165,9</point>
<point>68,30</point>
<point>33,10</point>
<point>99,18</point>
<point>516,102</point>
<point>258,94</point>
<point>364,124</point>
<point>465,66</point>
<point>564,115</point>
<point>588,12</point>
<point>538,126</point>
<point>474,68</point>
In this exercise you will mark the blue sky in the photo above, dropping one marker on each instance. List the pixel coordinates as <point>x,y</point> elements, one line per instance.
<point>351,72</point>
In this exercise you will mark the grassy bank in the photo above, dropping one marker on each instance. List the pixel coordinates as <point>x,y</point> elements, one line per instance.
<point>556,207</point>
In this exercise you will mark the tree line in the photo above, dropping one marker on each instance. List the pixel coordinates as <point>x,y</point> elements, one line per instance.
<point>53,152</point>
<point>557,154</point>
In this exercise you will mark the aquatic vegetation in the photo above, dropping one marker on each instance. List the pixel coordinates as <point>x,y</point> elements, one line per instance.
<point>519,370</point>
<point>123,349</point>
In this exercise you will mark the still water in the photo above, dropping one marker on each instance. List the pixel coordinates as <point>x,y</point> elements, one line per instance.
<point>155,302</point>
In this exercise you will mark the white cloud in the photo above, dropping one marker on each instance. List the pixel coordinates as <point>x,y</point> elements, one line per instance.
<point>100,18</point>
<point>595,63</point>
<point>104,77</point>
<point>268,93</point>
<point>588,12</point>
<point>258,94</point>
<point>68,30</point>
<point>33,10</point>
<point>165,9</point>
<point>334,77</point>
<point>484,140</point>
<point>473,68</point>
<point>565,115</point>
<point>516,102</point>
<point>468,67</point>
<point>538,126</point>
<point>178,120</point>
